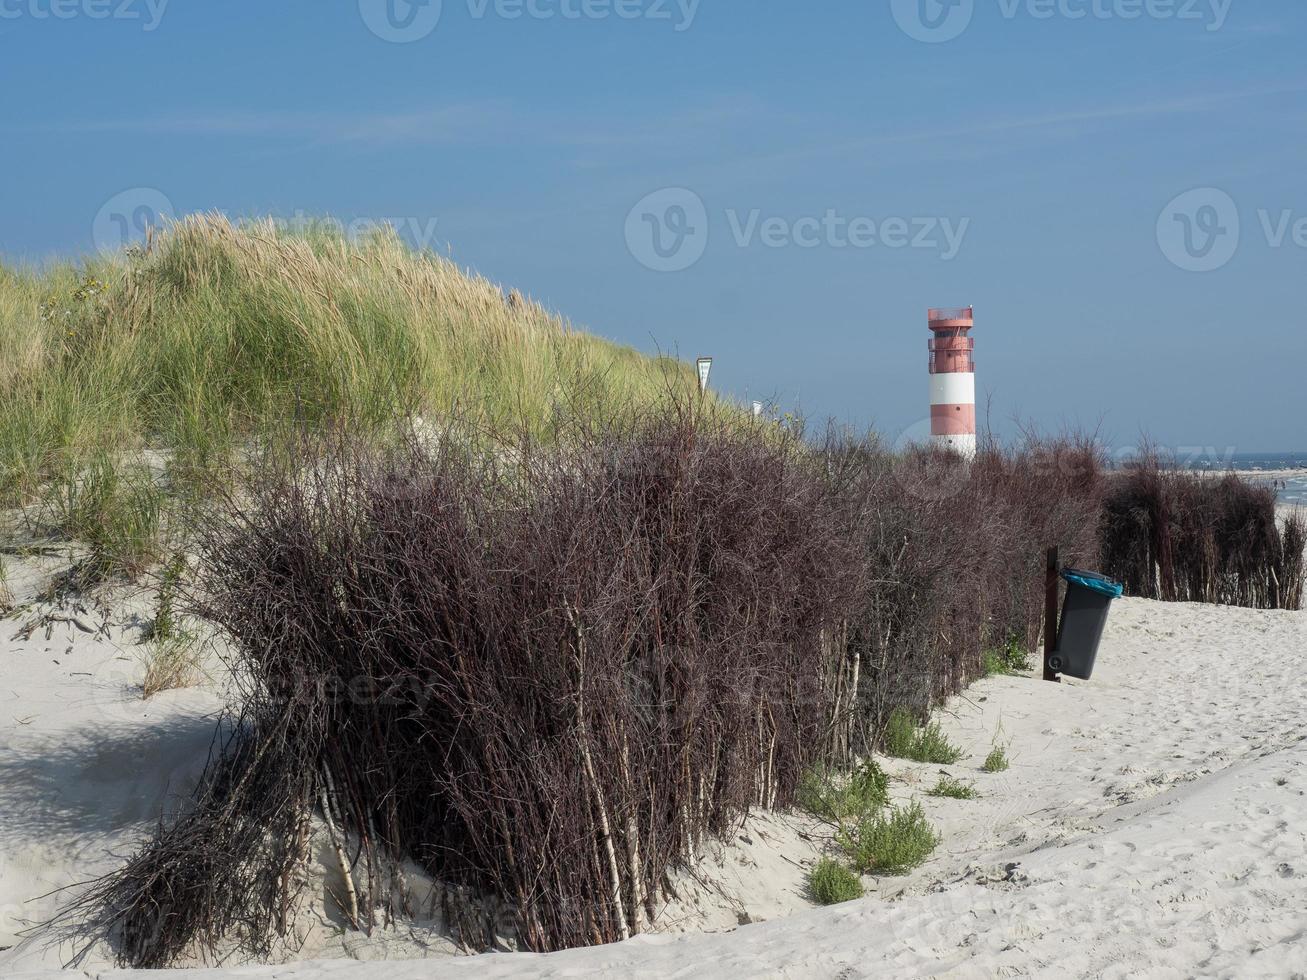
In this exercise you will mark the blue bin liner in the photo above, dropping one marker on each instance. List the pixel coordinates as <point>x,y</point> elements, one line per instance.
<point>1095,582</point>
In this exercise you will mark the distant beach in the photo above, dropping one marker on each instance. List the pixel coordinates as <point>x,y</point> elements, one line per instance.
<point>1286,472</point>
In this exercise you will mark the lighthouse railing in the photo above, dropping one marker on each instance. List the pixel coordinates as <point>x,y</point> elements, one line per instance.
<point>957,313</point>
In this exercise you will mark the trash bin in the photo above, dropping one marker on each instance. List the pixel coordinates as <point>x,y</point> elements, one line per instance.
<point>1084,614</point>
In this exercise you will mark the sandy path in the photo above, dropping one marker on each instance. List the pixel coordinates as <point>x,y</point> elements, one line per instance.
<point>1153,821</point>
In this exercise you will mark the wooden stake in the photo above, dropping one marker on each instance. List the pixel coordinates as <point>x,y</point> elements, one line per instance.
<point>1050,613</point>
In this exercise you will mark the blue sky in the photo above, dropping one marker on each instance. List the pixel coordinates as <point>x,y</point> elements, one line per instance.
<point>850,174</point>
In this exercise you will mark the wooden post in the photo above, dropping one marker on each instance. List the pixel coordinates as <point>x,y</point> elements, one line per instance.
<point>1050,613</point>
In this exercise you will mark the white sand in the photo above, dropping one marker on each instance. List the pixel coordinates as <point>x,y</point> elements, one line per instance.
<point>1154,821</point>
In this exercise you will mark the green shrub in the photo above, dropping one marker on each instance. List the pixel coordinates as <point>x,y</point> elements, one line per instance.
<point>869,787</point>
<point>900,734</point>
<point>831,797</point>
<point>992,663</point>
<point>831,882</point>
<point>997,760</point>
<point>904,740</point>
<point>893,843</point>
<point>1016,656</point>
<point>953,789</point>
<point>1011,658</point>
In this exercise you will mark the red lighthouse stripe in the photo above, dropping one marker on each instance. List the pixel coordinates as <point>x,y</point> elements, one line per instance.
<point>952,420</point>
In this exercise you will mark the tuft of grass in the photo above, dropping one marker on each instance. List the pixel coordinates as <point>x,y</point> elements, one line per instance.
<point>6,593</point>
<point>997,760</point>
<point>830,882</point>
<point>114,508</point>
<point>952,789</point>
<point>903,740</point>
<point>170,664</point>
<point>836,799</point>
<point>892,843</point>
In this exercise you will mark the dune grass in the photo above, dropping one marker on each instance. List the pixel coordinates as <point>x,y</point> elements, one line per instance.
<point>6,592</point>
<point>170,663</point>
<point>997,760</point>
<point>218,334</point>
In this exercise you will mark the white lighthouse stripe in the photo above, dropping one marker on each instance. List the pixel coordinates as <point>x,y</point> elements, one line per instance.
<point>953,389</point>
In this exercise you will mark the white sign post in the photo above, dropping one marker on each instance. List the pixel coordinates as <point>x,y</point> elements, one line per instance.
<point>705,369</point>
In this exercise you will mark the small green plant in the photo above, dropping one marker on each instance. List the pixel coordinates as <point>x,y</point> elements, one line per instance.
<point>1011,658</point>
<point>165,626</point>
<point>997,760</point>
<point>900,734</point>
<point>1016,656</point>
<point>893,843</point>
<point>830,882</point>
<point>904,740</point>
<point>830,797</point>
<point>953,789</point>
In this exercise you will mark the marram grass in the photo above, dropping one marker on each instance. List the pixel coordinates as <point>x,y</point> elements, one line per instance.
<point>217,334</point>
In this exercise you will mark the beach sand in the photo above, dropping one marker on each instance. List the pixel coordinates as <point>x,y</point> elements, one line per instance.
<point>1153,821</point>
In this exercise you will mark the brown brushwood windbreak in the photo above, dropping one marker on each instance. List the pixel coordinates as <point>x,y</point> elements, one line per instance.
<point>1186,537</point>
<point>548,672</point>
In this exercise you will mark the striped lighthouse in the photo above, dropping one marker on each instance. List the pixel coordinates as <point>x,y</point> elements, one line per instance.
<point>953,381</point>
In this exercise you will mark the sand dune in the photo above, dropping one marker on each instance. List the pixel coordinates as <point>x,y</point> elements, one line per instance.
<point>1154,820</point>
